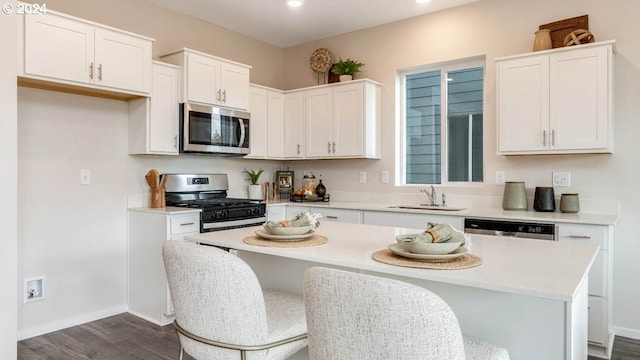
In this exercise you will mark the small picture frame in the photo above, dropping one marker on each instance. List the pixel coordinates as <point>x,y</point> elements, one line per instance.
<point>284,179</point>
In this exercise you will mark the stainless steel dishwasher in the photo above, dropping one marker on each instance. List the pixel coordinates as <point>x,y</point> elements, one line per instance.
<point>519,229</point>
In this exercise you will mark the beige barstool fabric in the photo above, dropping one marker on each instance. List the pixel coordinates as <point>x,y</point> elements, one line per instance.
<point>221,310</point>
<point>353,316</point>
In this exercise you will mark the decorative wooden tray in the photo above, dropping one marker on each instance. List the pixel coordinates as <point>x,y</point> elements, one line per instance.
<point>560,29</point>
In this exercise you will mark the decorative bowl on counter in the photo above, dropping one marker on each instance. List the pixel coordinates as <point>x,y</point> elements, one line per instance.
<point>291,230</point>
<point>414,244</point>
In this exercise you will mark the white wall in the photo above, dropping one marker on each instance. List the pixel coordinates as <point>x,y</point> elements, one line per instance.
<point>497,28</point>
<point>8,186</point>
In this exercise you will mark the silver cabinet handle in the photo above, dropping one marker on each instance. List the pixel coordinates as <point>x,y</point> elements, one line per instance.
<point>553,138</point>
<point>224,96</point>
<point>329,147</point>
<point>544,137</point>
<point>298,149</point>
<point>175,142</point>
<point>187,224</point>
<point>332,217</point>
<point>218,97</point>
<point>579,236</point>
<point>334,147</point>
<point>100,72</point>
<point>91,71</point>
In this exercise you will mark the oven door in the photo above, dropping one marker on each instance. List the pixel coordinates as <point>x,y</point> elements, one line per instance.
<point>213,130</point>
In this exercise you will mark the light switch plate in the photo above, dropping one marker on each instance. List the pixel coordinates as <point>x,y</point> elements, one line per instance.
<point>499,177</point>
<point>561,178</point>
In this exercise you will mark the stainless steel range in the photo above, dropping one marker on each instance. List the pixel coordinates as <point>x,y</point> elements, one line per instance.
<point>209,193</point>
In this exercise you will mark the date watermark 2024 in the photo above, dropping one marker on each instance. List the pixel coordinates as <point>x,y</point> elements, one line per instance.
<point>24,9</point>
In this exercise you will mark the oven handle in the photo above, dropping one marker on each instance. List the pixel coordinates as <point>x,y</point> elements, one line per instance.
<point>242,222</point>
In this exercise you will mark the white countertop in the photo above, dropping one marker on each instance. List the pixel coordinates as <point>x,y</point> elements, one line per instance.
<point>546,269</point>
<point>169,210</point>
<point>555,217</point>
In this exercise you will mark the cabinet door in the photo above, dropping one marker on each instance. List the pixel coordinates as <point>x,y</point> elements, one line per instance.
<point>164,113</point>
<point>203,79</point>
<point>523,104</point>
<point>258,123</point>
<point>339,215</point>
<point>59,48</point>
<point>275,127</point>
<point>348,120</point>
<point>319,123</point>
<point>409,220</point>
<point>294,125</point>
<point>234,86</point>
<point>579,104</point>
<point>122,61</point>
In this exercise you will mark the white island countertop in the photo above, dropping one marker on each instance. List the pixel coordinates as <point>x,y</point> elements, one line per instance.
<point>545,269</point>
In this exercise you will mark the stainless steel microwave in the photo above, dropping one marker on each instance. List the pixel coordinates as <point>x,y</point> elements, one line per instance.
<point>213,130</point>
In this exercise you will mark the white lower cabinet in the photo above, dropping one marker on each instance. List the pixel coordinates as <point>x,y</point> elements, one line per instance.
<point>600,283</point>
<point>410,220</point>
<point>328,214</point>
<point>149,296</point>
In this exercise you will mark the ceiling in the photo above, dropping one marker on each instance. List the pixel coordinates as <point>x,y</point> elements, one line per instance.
<point>273,22</point>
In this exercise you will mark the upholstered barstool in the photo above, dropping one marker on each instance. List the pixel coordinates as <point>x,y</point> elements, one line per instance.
<point>223,313</point>
<point>353,316</point>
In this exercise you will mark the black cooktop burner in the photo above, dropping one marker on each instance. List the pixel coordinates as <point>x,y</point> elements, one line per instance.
<point>209,203</point>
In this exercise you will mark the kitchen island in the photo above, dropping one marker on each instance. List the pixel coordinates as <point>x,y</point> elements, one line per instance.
<point>528,296</point>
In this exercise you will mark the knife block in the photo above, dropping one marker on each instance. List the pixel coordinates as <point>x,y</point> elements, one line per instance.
<point>157,198</point>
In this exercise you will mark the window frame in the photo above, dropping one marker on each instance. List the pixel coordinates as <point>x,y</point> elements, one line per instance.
<point>400,141</point>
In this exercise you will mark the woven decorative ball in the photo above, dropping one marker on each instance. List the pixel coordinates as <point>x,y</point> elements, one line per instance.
<point>321,60</point>
<point>577,37</point>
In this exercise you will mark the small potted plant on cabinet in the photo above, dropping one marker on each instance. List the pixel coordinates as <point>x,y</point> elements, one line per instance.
<point>346,68</point>
<point>255,190</point>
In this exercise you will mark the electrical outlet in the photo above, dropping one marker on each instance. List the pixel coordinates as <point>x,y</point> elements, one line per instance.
<point>85,176</point>
<point>363,177</point>
<point>499,177</point>
<point>561,178</point>
<point>33,289</point>
<point>384,177</point>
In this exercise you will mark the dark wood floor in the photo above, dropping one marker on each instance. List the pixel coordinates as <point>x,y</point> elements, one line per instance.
<point>127,337</point>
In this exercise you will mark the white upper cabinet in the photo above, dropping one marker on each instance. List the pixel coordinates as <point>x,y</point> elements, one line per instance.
<point>267,123</point>
<point>294,125</point>
<point>153,121</point>
<point>557,101</point>
<point>210,80</point>
<point>63,49</point>
<point>343,120</point>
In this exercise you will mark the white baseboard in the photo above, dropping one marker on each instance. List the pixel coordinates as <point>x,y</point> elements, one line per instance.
<point>63,324</point>
<point>626,332</point>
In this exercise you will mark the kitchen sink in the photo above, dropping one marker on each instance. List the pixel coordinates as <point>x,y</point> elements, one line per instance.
<point>425,207</point>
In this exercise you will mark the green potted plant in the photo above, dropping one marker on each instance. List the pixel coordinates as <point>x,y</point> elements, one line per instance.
<point>346,68</point>
<point>255,190</point>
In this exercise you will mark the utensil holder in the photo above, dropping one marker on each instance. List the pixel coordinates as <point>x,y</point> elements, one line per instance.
<point>515,196</point>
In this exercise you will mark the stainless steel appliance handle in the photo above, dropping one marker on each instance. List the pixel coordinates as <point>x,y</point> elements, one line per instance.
<point>225,224</point>
<point>242,132</point>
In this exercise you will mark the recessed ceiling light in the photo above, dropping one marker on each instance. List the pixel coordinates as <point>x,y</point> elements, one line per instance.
<point>423,1</point>
<point>294,3</point>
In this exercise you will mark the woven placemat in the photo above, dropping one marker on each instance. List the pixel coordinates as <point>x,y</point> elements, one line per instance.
<point>312,241</point>
<point>462,262</point>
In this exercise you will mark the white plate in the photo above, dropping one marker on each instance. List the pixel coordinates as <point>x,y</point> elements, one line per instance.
<point>396,249</point>
<point>265,235</point>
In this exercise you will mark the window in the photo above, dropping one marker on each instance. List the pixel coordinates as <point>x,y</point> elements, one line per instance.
<point>435,149</point>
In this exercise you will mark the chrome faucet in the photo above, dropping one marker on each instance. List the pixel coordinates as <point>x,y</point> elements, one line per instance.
<point>432,196</point>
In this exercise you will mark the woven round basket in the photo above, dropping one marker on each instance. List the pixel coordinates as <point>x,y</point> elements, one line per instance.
<point>577,37</point>
<point>321,60</point>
